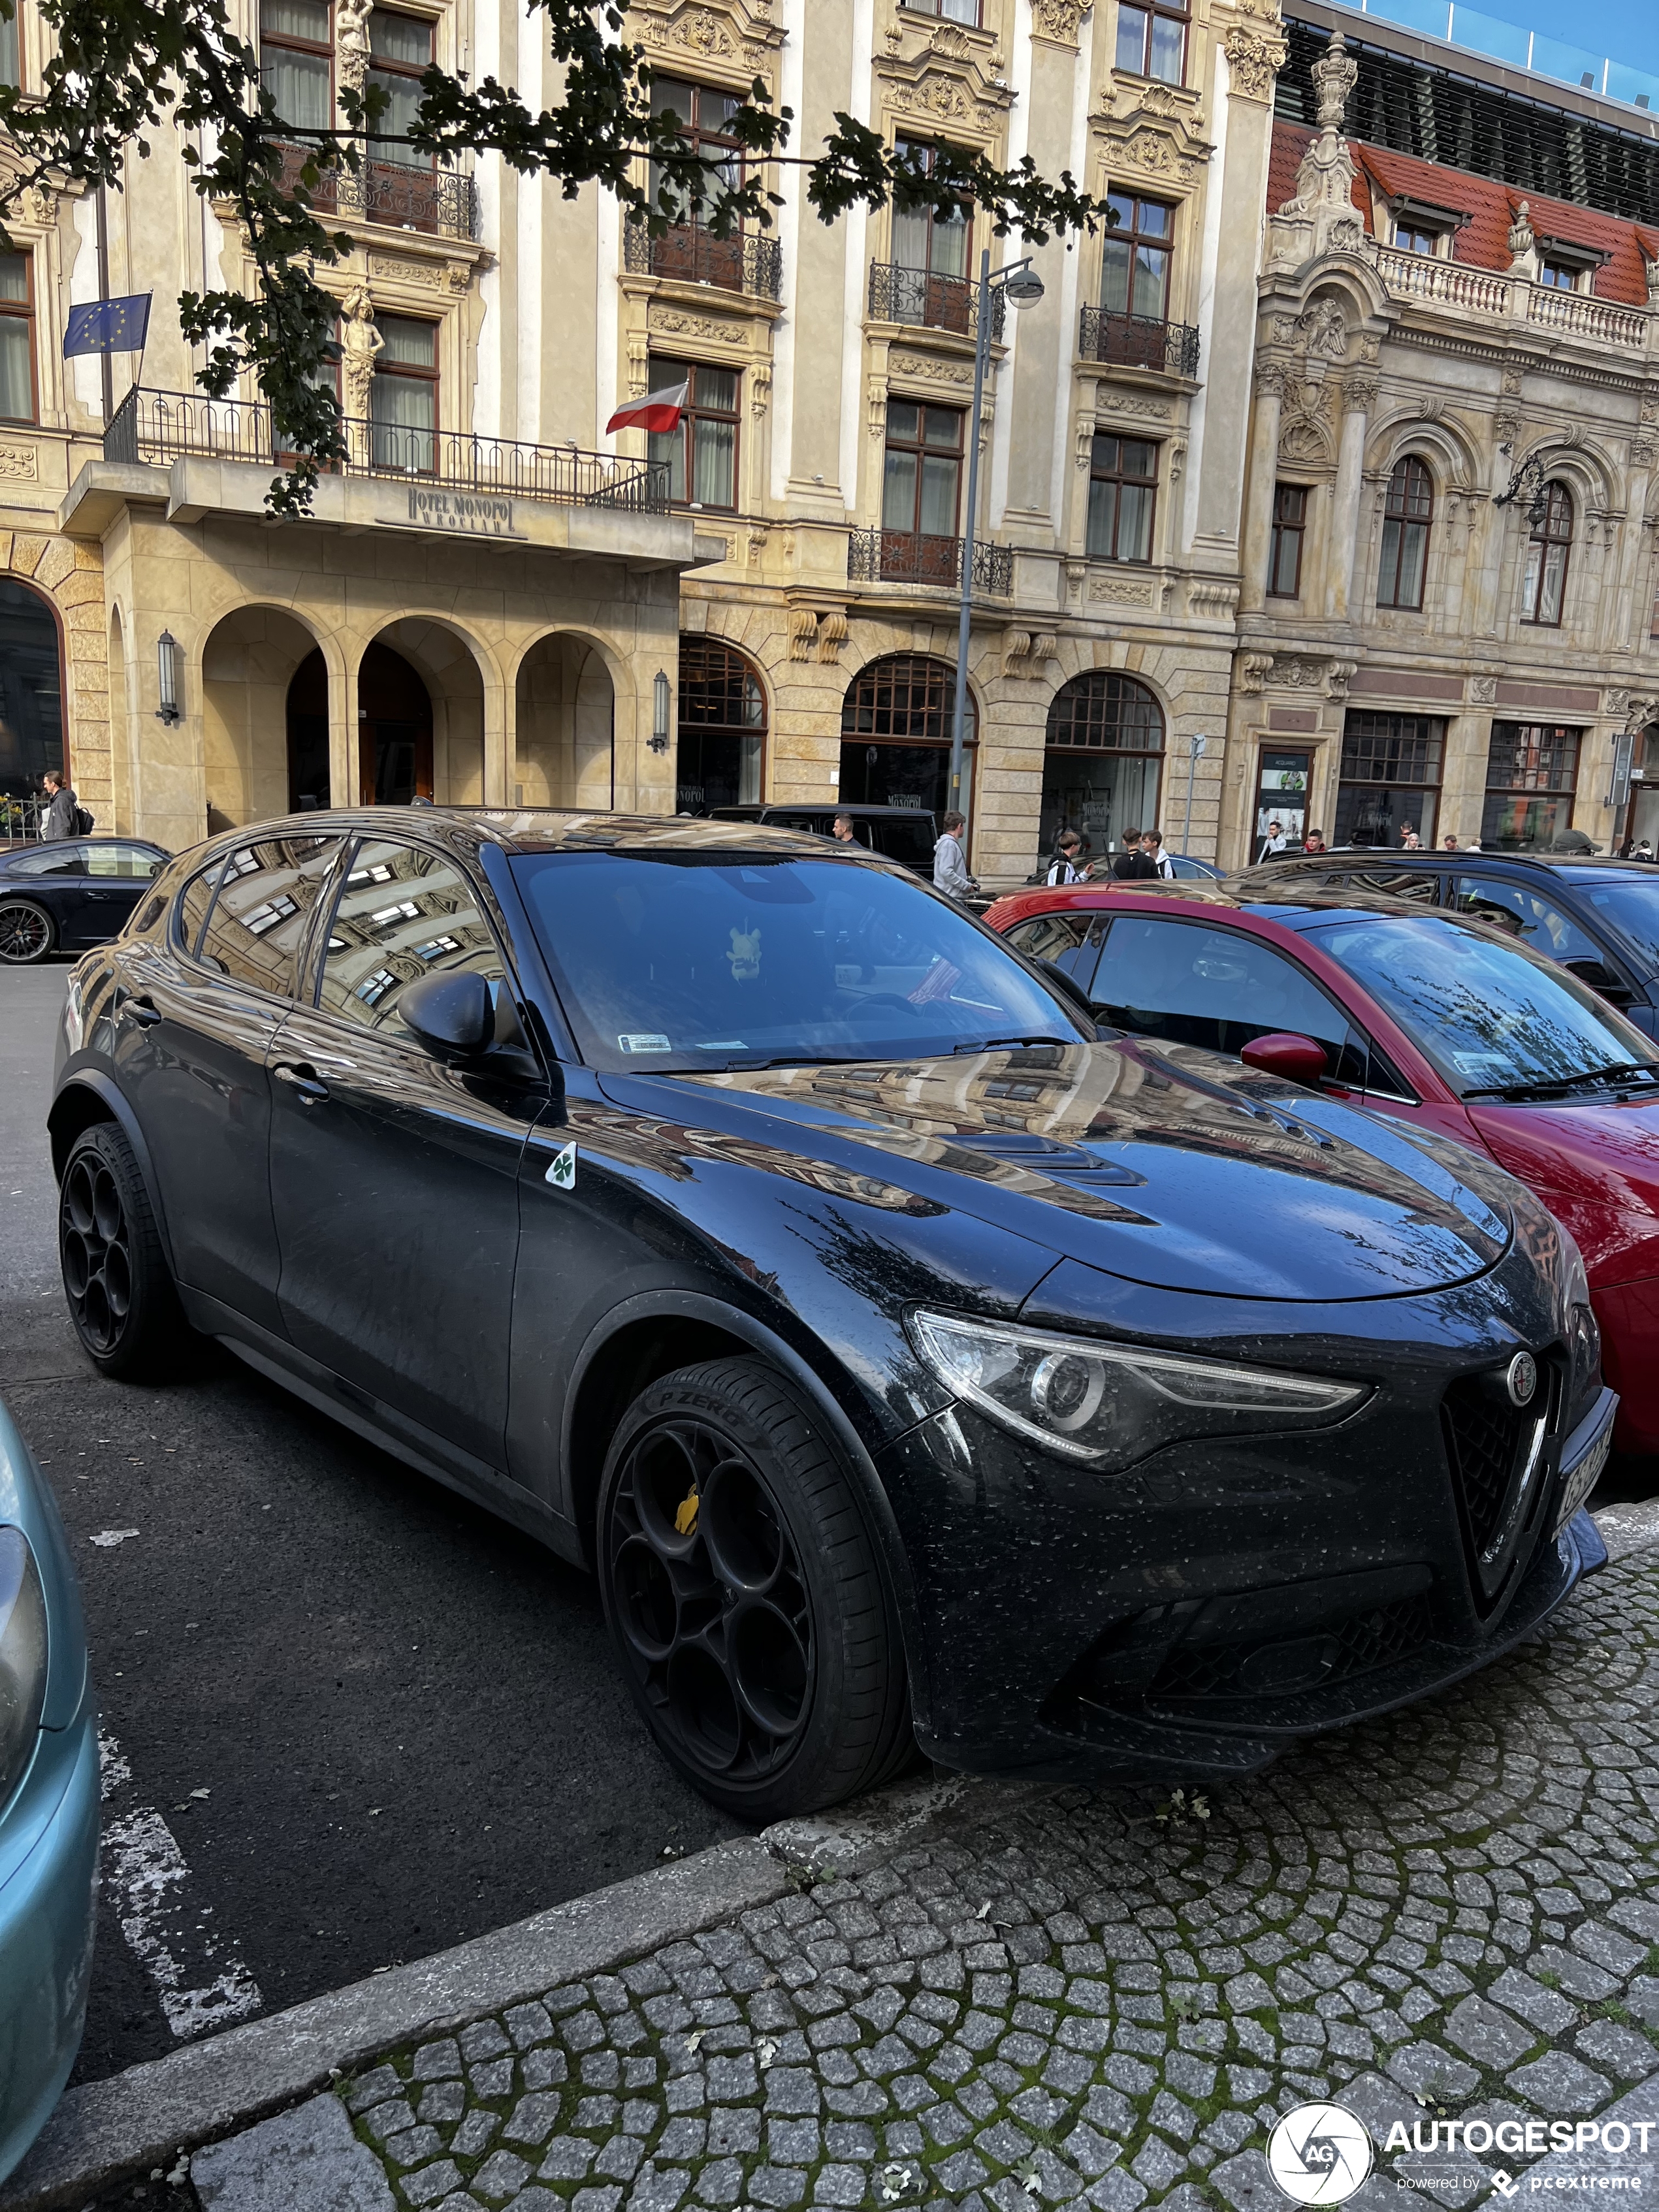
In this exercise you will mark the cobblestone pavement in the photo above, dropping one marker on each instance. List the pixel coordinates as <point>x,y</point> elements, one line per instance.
<point>1452,1911</point>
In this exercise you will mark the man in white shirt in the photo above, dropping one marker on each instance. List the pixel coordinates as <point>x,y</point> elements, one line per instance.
<point>1152,844</point>
<point>1067,868</point>
<point>951,873</point>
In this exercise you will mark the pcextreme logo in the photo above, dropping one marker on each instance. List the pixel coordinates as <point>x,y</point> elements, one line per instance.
<point>1323,2153</point>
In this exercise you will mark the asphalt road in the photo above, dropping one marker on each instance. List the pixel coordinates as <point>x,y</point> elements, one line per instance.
<point>373,1720</point>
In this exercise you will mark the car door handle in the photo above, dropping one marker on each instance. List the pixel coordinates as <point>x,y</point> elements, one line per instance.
<point>301,1077</point>
<point>141,1011</point>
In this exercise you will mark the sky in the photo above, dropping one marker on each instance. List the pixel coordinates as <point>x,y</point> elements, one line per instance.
<point>1626,29</point>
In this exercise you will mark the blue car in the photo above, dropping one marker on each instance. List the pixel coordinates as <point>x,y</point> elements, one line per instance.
<point>48,1803</point>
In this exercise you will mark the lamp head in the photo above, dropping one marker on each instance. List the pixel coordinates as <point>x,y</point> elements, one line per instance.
<point>1023,287</point>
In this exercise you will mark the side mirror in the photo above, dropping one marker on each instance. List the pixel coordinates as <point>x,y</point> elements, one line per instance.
<point>1297,1058</point>
<point>453,1016</point>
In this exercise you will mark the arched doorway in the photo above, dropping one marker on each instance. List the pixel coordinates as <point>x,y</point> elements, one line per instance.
<point>394,731</point>
<point>248,666</point>
<point>722,729</point>
<point>564,725</point>
<point>307,735</point>
<point>31,690</point>
<point>1104,749</point>
<point>896,734</point>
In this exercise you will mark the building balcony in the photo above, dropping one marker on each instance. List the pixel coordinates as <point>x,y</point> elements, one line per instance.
<point>751,263</point>
<point>1484,292</point>
<point>161,427</point>
<point>1138,342</point>
<point>925,302</point>
<point>915,556</point>
<point>442,203</point>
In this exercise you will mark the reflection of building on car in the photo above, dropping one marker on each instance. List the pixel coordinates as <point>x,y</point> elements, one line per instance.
<point>739,1218</point>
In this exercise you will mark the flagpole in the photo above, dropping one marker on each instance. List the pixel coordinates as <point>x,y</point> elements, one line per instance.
<point>103,294</point>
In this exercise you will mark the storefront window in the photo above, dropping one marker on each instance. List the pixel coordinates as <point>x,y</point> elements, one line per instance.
<point>1390,778</point>
<point>1103,758</point>
<point>896,734</point>
<point>722,728</point>
<point>1531,769</point>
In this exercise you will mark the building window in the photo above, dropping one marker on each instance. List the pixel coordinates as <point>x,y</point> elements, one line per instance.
<point>705,115</point>
<point>403,395</point>
<point>722,728</point>
<point>1135,276</point>
<point>922,482</point>
<point>933,243</point>
<point>17,393</point>
<point>896,734</point>
<point>399,51</point>
<point>958,11</point>
<point>1122,496</point>
<point>10,71</point>
<point>1412,238</point>
<point>1390,779</point>
<point>702,453</point>
<point>1290,529</point>
<point>1547,550</point>
<point>1152,41</point>
<point>1103,751</point>
<point>297,61</point>
<point>1531,770</point>
<point>1406,520</point>
<point>1558,276</point>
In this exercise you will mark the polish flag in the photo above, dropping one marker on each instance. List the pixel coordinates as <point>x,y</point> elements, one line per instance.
<point>657,411</point>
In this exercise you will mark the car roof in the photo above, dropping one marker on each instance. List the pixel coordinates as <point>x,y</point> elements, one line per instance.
<point>1388,856</point>
<point>1238,895</point>
<point>854,808</point>
<point>552,829</point>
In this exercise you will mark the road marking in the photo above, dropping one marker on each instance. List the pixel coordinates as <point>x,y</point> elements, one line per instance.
<point>198,1974</point>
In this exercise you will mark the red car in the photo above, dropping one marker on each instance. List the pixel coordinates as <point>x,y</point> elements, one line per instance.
<point>1441,1022</point>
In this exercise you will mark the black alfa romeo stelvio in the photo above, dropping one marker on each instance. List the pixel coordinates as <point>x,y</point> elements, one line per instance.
<point>910,1361</point>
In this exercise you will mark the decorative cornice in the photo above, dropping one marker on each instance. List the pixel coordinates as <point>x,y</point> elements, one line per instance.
<point>1254,61</point>
<point>1056,21</point>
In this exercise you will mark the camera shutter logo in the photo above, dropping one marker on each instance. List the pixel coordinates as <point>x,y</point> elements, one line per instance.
<point>1319,2154</point>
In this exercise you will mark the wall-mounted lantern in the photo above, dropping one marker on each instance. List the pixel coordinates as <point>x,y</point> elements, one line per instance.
<point>660,713</point>
<point>166,671</point>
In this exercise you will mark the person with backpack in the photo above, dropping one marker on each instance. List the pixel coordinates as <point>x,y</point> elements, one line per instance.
<point>1067,866</point>
<point>64,816</point>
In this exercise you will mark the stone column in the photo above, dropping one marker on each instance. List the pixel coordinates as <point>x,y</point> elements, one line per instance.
<point>1270,380</point>
<point>1342,590</point>
<point>343,772</point>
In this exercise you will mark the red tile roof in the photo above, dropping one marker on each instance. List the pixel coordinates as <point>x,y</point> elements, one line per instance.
<point>1484,241</point>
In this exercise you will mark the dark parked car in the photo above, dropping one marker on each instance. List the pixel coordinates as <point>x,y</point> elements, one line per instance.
<point>904,834</point>
<point>1432,1018</point>
<point>63,896</point>
<point>1599,917</point>
<point>735,1214</point>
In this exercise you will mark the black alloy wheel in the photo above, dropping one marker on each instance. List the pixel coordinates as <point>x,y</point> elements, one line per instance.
<point>121,1296</point>
<point>744,1593</point>
<point>26,932</point>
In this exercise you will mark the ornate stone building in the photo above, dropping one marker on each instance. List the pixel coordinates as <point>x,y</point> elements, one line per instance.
<point>1447,615</point>
<point>482,603</point>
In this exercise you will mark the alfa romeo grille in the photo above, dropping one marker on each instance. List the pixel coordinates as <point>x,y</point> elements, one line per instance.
<point>1484,1436</point>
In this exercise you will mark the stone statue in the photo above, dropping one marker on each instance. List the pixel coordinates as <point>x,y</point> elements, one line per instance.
<point>360,342</point>
<point>1334,77</point>
<point>351,42</point>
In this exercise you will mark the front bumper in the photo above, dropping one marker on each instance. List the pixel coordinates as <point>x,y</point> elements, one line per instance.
<point>49,1844</point>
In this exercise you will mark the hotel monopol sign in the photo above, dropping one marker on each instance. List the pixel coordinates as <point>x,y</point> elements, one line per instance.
<point>463,513</point>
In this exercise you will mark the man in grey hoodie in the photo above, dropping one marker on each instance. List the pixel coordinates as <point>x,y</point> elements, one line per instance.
<point>60,812</point>
<point>951,873</point>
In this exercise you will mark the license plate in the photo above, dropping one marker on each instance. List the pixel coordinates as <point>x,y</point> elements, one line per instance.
<point>1583,1478</point>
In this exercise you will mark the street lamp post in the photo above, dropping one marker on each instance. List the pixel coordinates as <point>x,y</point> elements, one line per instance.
<point>1021,287</point>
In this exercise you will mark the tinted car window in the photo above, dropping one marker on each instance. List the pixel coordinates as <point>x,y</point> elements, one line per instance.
<point>131,863</point>
<point>1489,1015</point>
<point>403,914</point>
<point>1192,984</point>
<point>1519,909</point>
<point>1632,907</point>
<point>910,843</point>
<point>709,959</point>
<point>1072,941</point>
<point>258,919</point>
<point>56,860</point>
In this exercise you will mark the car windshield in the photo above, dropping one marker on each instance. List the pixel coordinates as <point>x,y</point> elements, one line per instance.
<point>1631,905</point>
<point>1490,1016</point>
<point>709,960</point>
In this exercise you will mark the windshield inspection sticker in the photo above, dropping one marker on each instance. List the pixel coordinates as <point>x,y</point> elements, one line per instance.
<point>643,1041</point>
<point>562,1169</point>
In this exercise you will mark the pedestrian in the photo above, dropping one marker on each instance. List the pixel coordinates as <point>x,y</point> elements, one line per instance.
<point>1409,840</point>
<point>951,873</point>
<point>1449,844</point>
<point>1273,843</point>
<point>1132,864</point>
<point>61,809</point>
<point>841,830</point>
<point>1314,841</point>
<point>1151,843</point>
<point>1067,865</point>
<point>1474,846</point>
<point>1643,850</point>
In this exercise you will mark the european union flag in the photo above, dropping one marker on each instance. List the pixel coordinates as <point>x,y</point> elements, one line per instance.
<point>108,325</point>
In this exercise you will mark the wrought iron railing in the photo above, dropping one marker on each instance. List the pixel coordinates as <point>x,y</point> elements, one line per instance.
<point>916,556</point>
<point>160,426</point>
<point>751,263</point>
<point>928,301</point>
<point>1138,342</point>
<point>442,201</point>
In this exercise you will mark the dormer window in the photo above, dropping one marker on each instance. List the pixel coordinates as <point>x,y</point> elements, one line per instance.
<point>1415,238</point>
<point>1558,276</point>
<point>1417,226</point>
<point>1566,266</point>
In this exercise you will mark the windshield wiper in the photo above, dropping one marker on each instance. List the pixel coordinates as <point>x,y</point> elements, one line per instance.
<point>1010,1044</point>
<point>1647,1067</point>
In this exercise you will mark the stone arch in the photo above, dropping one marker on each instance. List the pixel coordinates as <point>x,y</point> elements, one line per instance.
<point>1355,285</point>
<point>248,663</point>
<point>1584,467</point>
<point>33,735</point>
<point>896,734</point>
<point>1103,747</point>
<point>564,723</point>
<point>721,727</point>
<point>1442,444</point>
<point>463,687</point>
<point>67,577</point>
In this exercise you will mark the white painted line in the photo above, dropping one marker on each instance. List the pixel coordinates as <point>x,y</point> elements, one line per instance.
<point>198,1975</point>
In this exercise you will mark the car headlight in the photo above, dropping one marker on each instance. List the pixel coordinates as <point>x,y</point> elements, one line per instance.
<point>22,1657</point>
<point>1112,1404</point>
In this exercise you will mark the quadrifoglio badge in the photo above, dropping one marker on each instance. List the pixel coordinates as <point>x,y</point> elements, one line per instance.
<point>1323,2153</point>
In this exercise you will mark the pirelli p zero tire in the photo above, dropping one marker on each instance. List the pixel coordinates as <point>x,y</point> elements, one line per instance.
<point>26,932</point>
<point>744,1593</point>
<point>121,1297</point>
